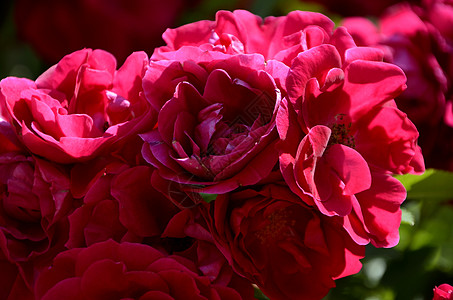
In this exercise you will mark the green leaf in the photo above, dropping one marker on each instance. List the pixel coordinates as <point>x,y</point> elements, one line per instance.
<point>407,217</point>
<point>208,197</point>
<point>433,185</point>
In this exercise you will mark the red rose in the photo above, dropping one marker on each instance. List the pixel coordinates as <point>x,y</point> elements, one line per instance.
<point>55,28</point>
<point>34,203</point>
<point>443,292</point>
<point>119,204</point>
<point>238,32</point>
<point>418,39</point>
<point>109,270</point>
<point>216,123</point>
<point>340,111</point>
<point>78,108</point>
<point>288,249</point>
<point>413,45</point>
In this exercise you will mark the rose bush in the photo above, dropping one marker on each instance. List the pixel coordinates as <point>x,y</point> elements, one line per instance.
<point>216,118</point>
<point>79,107</point>
<point>288,249</point>
<point>285,127</point>
<point>328,132</point>
<point>127,270</point>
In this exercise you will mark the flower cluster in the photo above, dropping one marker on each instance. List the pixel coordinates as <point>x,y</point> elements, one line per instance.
<point>246,153</point>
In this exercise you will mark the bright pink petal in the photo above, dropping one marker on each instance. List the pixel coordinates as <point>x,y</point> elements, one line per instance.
<point>313,63</point>
<point>381,209</point>
<point>377,82</point>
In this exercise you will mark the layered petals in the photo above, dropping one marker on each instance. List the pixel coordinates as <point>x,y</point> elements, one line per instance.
<point>125,270</point>
<point>340,110</point>
<point>218,127</point>
<point>291,251</point>
<point>239,32</point>
<point>80,107</point>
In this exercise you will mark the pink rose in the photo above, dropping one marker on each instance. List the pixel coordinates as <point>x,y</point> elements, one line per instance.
<point>80,108</point>
<point>291,251</point>
<point>126,271</point>
<point>341,110</point>
<point>55,28</point>
<point>443,292</point>
<point>216,123</point>
<point>238,32</point>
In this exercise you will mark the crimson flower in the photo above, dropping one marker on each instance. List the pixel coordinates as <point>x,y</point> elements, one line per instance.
<point>341,110</point>
<point>216,119</point>
<point>79,107</point>
<point>288,249</point>
<point>443,292</point>
<point>109,270</point>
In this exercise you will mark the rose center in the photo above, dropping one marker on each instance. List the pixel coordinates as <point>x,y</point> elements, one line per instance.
<point>279,225</point>
<point>341,134</point>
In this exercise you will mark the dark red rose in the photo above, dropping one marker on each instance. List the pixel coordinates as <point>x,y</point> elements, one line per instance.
<point>34,204</point>
<point>443,292</point>
<point>109,270</point>
<point>216,123</point>
<point>54,27</point>
<point>291,251</point>
<point>79,107</point>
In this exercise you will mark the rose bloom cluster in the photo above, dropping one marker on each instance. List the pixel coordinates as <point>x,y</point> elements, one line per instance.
<point>419,39</point>
<point>245,154</point>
